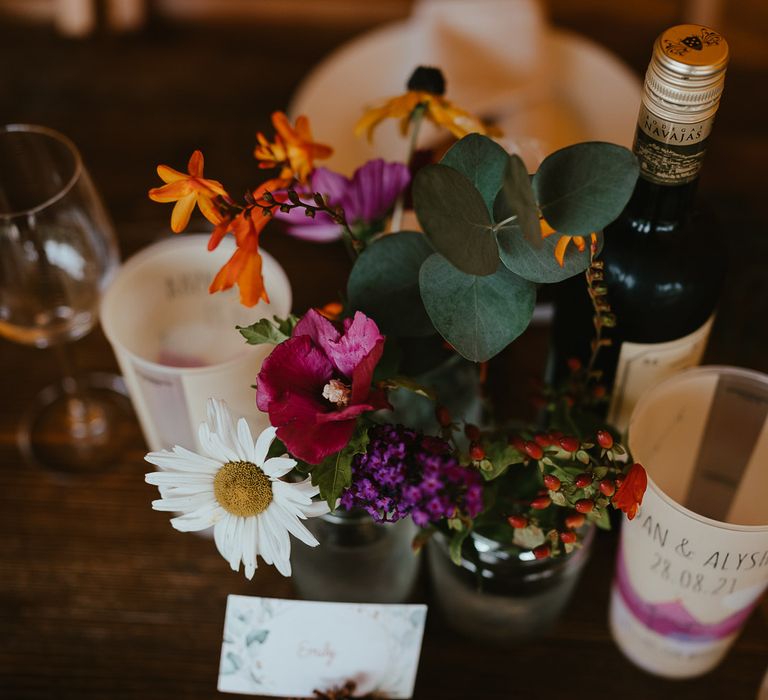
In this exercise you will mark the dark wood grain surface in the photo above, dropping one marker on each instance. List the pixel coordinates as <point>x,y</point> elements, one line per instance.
<point>99,597</point>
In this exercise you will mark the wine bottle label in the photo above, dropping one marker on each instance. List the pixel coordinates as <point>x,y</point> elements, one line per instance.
<point>642,365</point>
<point>670,153</point>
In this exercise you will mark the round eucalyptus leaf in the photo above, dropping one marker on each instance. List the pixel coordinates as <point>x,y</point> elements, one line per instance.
<point>583,188</point>
<point>482,161</point>
<point>456,219</point>
<point>516,199</point>
<point>538,263</point>
<point>384,284</point>
<point>478,315</point>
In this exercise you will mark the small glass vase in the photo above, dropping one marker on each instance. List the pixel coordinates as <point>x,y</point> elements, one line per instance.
<point>499,594</point>
<point>357,561</point>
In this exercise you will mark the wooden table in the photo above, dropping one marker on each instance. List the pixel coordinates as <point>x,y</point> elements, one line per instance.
<point>99,597</point>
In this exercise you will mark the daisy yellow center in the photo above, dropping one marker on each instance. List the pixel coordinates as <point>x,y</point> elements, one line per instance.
<point>242,488</point>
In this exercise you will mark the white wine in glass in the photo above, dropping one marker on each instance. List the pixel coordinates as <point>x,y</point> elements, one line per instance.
<point>58,251</point>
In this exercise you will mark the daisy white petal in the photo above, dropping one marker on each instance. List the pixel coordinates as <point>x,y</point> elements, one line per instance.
<point>278,466</point>
<point>177,479</point>
<point>245,440</point>
<point>183,504</point>
<point>294,526</point>
<point>249,547</point>
<point>317,508</point>
<point>277,536</point>
<point>197,520</point>
<point>182,460</point>
<point>263,443</point>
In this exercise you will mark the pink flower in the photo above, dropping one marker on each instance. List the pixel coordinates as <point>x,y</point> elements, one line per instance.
<point>366,199</point>
<point>315,384</point>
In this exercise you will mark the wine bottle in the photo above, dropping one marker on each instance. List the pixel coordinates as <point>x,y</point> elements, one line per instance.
<point>663,263</point>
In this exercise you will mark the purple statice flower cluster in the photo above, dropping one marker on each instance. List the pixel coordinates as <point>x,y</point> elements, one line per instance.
<point>404,472</point>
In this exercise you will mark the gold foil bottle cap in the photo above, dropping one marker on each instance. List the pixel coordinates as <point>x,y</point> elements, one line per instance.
<point>687,72</point>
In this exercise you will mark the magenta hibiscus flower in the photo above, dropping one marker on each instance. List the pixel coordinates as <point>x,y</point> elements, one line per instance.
<point>315,384</point>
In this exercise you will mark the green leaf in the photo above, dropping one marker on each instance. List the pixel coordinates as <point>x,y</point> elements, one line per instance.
<point>482,161</point>
<point>584,187</point>
<point>478,316</point>
<point>412,386</point>
<point>516,199</point>
<point>538,263</point>
<point>384,284</point>
<point>455,218</point>
<point>334,473</point>
<point>272,332</point>
<point>601,518</point>
<point>457,541</point>
<point>500,456</point>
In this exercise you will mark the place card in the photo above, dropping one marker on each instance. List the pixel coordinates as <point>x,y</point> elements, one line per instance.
<point>290,648</point>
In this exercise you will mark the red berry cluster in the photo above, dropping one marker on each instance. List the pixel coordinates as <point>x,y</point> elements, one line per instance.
<point>583,493</point>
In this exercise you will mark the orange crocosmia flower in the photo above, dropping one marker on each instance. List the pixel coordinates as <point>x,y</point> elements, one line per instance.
<point>225,224</point>
<point>188,190</point>
<point>293,148</point>
<point>437,109</point>
<point>630,494</point>
<point>244,267</point>
<point>332,310</point>
<point>564,241</point>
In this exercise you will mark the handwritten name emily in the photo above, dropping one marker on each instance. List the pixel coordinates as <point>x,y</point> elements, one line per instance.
<point>307,650</point>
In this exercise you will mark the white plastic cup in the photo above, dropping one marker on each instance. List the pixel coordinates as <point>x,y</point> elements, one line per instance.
<point>694,561</point>
<point>176,343</point>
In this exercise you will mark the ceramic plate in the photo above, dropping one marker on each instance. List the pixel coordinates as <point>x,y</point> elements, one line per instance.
<point>592,96</point>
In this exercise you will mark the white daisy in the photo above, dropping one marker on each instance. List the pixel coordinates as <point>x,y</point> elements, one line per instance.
<point>233,487</point>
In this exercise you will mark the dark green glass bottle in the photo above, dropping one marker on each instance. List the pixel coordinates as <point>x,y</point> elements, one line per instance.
<point>663,263</point>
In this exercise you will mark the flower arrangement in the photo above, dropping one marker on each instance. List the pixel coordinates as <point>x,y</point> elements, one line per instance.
<point>462,285</point>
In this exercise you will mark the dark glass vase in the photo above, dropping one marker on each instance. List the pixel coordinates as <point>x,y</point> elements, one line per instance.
<point>499,594</point>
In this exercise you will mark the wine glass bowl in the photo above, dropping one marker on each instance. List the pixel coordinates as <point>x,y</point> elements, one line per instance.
<point>58,251</point>
<point>57,247</point>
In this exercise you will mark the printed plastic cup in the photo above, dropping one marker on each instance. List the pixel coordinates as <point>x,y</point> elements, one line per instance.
<point>177,344</point>
<point>694,561</point>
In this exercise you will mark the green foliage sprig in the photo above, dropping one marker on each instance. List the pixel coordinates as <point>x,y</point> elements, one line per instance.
<point>472,276</point>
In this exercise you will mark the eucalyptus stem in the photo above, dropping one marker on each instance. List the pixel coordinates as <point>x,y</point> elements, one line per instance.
<point>417,117</point>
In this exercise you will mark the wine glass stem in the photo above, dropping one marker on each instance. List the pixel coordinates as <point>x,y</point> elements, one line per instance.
<point>85,418</point>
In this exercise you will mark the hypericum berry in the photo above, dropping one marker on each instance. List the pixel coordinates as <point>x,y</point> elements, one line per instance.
<point>517,442</point>
<point>569,443</point>
<point>574,364</point>
<point>607,487</point>
<point>542,551</point>
<point>541,502</point>
<point>584,505</point>
<point>583,480</point>
<point>517,521</point>
<point>552,482</point>
<point>604,439</point>
<point>575,521</point>
<point>568,537</point>
<point>533,450</point>
<point>542,439</point>
<point>472,432</point>
<point>476,451</point>
<point>599,391</point>
<point>443,416</point>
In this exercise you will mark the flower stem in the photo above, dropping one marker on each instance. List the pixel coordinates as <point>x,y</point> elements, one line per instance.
<point>417,117</point>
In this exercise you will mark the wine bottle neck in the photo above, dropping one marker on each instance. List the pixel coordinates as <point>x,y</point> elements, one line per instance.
<point>668,206</point>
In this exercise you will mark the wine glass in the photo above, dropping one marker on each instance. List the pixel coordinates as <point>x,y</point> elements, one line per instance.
<point>57,253</point>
